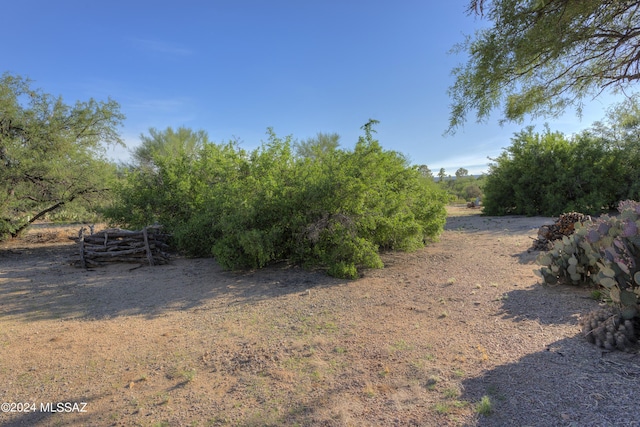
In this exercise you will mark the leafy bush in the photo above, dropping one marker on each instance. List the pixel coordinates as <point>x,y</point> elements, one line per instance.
<point>333,208</point>
<point>548,173</point>
<point>604,252</point>
<point>463,188</point>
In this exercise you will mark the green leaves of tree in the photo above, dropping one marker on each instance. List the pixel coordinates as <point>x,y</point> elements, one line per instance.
<point>539,57</point>
<point>50,152</point>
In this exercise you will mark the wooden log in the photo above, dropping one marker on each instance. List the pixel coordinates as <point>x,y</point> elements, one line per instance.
<point>112,260</point>
<point>96,262</point>
<point>128,247</point>
<point>119,241</point>
<point>115,253</point>
<point>95,248</point>
<point>114,246</point>
<point>146,245</point>
<point>162,245</point>
<point>116,233</point>
<point>100,240</point>
<point>115,243</point>
<point>138,252</point>
<point>83,262</point>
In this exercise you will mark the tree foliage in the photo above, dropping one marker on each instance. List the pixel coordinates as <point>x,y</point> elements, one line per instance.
<point>316,207</point>
<point>425,171</point>
<point>167,143</point>
<point>464,187</point>
<point>541,56</point>
<point>50,152</point>
<point>462,172</point>
<point>549,173</point>
<point>317,147</point>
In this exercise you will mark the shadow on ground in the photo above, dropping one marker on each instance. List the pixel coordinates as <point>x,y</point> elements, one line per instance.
<point>569,382</point>
<point>548,305</point>
<point>39,283</point>
<point>580,385</point>
<point>509,225</point>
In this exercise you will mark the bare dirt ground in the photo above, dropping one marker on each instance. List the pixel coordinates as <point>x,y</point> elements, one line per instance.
<point>419,343</point>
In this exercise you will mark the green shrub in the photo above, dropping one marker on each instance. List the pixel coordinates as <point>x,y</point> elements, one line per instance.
<point>335,208</point>
<point>548,173</point>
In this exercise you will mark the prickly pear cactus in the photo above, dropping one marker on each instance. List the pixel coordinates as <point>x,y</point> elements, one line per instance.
<point>569,261</point>
<point>618,242</point>
<point>603,252</point>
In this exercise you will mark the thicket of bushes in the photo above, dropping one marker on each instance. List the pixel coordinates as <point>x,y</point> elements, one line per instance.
<point>549,173</point>
<point>326,207</point>
<point>464,188</point>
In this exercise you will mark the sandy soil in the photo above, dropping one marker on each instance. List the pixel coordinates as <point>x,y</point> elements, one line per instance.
<point>418,343</point>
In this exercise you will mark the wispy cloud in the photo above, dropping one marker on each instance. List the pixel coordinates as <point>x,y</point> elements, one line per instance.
<point>159,46</point>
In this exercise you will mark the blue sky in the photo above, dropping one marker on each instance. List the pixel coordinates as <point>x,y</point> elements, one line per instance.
<point>234,68</point>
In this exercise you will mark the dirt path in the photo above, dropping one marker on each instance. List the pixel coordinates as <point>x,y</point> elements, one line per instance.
<point>418,343</point>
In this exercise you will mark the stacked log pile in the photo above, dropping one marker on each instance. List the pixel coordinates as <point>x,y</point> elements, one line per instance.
<point>146,246</point>
<point>564,226</point>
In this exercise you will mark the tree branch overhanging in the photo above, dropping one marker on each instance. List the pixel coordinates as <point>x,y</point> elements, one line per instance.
<point>52,208</point>
<point>585,47</point>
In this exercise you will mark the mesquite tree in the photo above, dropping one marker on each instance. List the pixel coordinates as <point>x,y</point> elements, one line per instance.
<point>539,57</point>
<point>51,154</point>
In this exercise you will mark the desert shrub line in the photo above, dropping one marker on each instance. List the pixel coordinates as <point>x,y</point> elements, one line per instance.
<point>334,208</point>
